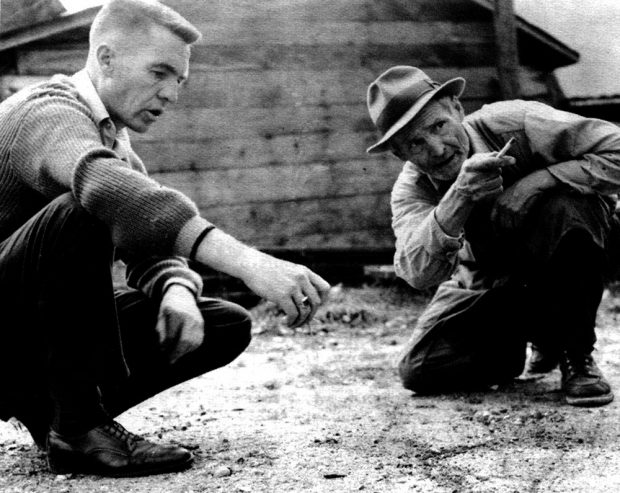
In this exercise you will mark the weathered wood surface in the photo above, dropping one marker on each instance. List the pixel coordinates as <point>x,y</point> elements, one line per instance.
<point>270,132</point>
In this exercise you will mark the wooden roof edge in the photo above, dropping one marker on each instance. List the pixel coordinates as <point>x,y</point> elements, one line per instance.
<point>567,56</point>
<point>36,32</point>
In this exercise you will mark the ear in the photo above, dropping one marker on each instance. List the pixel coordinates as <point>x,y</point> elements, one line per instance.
<point>105,58</point>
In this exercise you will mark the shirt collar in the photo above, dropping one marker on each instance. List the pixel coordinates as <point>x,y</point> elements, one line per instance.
<point>88,93</point>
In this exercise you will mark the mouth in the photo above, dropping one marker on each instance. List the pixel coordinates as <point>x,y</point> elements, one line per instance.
<point>153,114</point>
<point>445,162</point>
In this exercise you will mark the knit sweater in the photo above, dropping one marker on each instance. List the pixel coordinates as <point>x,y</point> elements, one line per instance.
<point>53,140</point>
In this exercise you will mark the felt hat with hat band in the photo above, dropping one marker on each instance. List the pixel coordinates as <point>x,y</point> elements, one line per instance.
<point>398,95</point>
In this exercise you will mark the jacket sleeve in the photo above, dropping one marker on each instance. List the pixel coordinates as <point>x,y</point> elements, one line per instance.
<point>57,148</point>
<point>425,255</point>
<point>582,153</point>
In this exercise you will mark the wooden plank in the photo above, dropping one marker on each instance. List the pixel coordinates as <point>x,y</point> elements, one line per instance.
<point>313,223</point>
<point>328,10</point>
<point>372,56</point>
<point>197,124</point>
<point>365,238</point>
<point>279,31</point>
<point>248,152</point>
<point>282,183</point>
<point>482,81</point>
<point>272,88</point>
<point>37,61</point>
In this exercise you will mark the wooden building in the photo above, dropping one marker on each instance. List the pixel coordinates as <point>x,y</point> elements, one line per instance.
<point>269,135</point>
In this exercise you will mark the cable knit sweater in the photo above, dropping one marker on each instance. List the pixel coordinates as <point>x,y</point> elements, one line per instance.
<point>56,137</point>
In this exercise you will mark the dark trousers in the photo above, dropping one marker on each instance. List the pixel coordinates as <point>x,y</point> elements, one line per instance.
<point>75,351</point>
<point>555,268</point>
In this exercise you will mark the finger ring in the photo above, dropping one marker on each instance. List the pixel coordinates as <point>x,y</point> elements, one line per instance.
<point>305,301</point>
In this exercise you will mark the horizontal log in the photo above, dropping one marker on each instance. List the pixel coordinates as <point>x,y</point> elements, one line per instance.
<point>271,88</point>
<point>199,123</point>
<point>248,152</point>
<point>45,61</point>
<point>278,222</point>
<point>281,31</point>
<point>329,10</point>
<point>382,238</point>
<point>263,56</point>
<point>282,183</point>
<point>372,56</point>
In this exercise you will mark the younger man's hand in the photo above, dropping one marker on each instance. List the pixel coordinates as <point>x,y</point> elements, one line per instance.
<point>180,324</point>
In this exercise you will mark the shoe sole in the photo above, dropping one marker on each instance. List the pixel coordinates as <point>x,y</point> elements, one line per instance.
<point>591,401</point>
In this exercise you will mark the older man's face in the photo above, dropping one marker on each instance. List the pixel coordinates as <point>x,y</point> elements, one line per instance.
<point>435,141</point>
<point>145,78</point>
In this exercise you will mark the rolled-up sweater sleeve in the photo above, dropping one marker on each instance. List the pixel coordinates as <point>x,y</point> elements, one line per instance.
<point>425,255</point>
<point>57,148</point>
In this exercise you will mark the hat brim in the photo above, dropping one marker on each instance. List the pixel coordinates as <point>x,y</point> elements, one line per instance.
<point>453,87</point>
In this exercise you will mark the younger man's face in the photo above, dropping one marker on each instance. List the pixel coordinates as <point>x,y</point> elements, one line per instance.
<point>145,78</point>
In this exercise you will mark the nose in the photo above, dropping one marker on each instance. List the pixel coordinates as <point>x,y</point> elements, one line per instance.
<point>435,145</point>
<point>169,92</point>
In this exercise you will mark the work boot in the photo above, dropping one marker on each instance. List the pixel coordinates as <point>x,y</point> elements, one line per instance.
<point>582,381</point>
<point>541,361</point>
<point>111,450</point>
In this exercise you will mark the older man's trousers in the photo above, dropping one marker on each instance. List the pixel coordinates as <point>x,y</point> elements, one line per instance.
<point>555,267</point>
<point>73,350</point>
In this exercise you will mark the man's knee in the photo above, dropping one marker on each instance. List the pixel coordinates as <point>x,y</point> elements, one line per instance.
<point>412,375</point>
<point>66,216</point>
<point>435,372</point>
<point>228,324</point>
<point>560,212</point>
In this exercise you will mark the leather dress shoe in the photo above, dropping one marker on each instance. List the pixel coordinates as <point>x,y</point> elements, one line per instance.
<point>111,450</point>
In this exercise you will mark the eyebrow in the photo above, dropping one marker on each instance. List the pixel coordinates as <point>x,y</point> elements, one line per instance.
<point>171,69</point>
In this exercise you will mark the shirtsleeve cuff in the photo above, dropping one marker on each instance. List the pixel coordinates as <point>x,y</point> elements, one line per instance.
<point>440,241</point>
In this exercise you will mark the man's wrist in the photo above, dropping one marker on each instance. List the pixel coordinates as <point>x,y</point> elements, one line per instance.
<point>452,211</point>
<point>177,286</point>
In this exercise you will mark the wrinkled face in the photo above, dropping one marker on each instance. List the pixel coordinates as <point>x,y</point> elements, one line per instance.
<point>435,141</point>
<point>142,79</point>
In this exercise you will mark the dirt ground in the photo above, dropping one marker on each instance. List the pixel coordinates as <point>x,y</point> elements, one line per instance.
<point>320,409</point>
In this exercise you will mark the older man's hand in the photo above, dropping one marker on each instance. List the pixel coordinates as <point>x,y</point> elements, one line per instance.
<point>294,288</point>
<point>480,177</point>
<point>180,324</point>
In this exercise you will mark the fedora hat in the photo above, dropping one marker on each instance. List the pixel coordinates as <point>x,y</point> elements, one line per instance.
<point>398,95</point>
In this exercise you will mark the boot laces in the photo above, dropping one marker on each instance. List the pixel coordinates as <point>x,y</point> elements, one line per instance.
<point>118,431</point>
<point>578,363</point>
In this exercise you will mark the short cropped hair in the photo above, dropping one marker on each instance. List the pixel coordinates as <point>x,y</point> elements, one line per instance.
<point>135,15</point>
